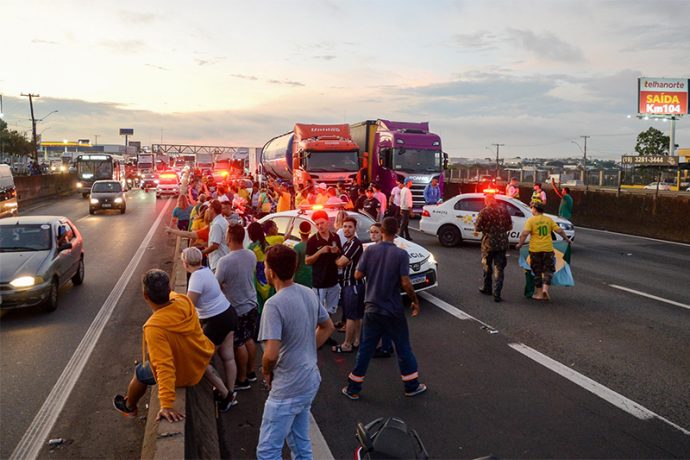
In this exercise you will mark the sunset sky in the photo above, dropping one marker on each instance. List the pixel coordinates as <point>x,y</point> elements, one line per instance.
<point>533,75</point>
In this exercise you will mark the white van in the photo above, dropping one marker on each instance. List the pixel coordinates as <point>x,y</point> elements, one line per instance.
<point>8,192</point>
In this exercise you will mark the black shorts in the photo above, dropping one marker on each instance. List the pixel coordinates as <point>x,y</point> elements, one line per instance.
<point>246,327</point>
<point>353,301</point>
<point>216,328</point>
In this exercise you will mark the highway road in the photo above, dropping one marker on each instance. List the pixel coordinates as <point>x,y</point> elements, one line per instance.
<point>602,370</point>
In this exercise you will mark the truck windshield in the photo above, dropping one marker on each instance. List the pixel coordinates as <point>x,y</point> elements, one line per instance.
<point>96,169</point>
<point>333,161</point>
<point>417,160</point>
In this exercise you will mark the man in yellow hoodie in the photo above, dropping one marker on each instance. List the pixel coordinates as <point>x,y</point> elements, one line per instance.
<point>178,350</point>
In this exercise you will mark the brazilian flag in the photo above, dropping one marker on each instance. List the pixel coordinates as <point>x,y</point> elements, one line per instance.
<point>563,275</point>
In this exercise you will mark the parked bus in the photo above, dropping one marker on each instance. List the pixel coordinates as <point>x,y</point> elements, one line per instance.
<point>91,168</point>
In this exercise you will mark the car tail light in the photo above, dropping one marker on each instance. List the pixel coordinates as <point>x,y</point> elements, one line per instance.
<point>425,213</point>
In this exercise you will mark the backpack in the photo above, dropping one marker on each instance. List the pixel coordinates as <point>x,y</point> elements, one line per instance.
<point>389,438</point>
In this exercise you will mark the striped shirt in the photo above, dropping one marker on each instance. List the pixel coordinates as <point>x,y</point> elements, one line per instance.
<point>352,249</point>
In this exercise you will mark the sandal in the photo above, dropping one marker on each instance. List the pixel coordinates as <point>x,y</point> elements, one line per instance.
<point>546,297</point>
<point>341,349</point>
<point>537,298</point>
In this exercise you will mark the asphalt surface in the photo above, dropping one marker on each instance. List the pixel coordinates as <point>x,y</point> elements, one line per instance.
<point>37,346</point>
<point>484,397</point>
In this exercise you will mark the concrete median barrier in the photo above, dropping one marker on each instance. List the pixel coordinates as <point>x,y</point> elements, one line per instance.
<point>665,217</point>
<point>197,437</point>
<point>34,188</point>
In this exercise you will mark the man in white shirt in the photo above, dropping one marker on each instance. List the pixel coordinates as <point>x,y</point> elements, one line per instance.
<point>405,209</point>
<point>217,243</point>
<point>394,201</point>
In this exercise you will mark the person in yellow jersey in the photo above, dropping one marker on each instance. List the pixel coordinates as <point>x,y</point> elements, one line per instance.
<point>284,199</point>
<point>541,255</point>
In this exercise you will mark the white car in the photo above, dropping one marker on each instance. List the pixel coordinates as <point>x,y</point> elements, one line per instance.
<point>453,221</point>
<point>662,186</point>
<point>167,185</point>
<point>423,265</point>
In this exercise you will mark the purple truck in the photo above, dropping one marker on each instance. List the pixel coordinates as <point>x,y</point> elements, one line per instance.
<point>401,150</point>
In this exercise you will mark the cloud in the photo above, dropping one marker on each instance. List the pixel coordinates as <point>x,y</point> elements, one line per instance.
<point>243,77</point>
<point>208,61</point>
<point>327,57</point>
<point>39,41</point>
<point>546,45</point>
<point>286,82</point>
<point>136,17</point>
<point>482,40</point>
<point>157,67</point>
<point>124,46</point>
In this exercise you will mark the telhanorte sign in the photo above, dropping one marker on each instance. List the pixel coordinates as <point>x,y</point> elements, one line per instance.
<point>650,160</point>
<point>662,96</point>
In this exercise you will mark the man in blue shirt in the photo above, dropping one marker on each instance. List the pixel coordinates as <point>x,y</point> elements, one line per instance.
<point>432,192</point>
<point>384,313</point>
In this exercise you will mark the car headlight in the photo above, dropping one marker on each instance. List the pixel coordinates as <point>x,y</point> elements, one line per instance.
<point>118,200</point>
<point>94,200</point>
<point>25,281</point>
<point>79,185</point>
<point>156,181</point>
<point>432,260</point>
<point>565,225</point>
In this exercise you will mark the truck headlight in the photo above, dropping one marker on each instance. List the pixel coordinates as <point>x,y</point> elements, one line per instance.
<point>79,185</point>
<point>24,281</point>
<point>94,200</point>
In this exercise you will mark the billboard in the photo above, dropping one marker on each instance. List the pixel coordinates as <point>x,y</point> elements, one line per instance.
<point>662,96</point>
<point>649,160</point>
<point>126,131</point>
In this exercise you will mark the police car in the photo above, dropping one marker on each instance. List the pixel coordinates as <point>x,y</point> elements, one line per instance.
<point>453,221</point>
<point>423,265</point>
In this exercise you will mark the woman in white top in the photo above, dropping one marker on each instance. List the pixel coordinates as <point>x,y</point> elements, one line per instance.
<point>218,320</point>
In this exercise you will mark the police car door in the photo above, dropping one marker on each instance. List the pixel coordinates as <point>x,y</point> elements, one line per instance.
<point>466,211</point>
<point>518,217</point>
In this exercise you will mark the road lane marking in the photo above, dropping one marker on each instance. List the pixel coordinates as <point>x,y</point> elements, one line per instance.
<point>608,395</point>
<point>632,236</point>
<point>581,380</point>
<point>319,445</point>
<point>650,296</point>
<point>31,443</point>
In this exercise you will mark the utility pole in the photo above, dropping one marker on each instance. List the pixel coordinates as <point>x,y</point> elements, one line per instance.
<point>33,122</point>
<point>498,146</point>
<point>584,163</point>
<point>96,136</point>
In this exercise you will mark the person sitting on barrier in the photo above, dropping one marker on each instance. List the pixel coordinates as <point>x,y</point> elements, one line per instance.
<point>178,350</point>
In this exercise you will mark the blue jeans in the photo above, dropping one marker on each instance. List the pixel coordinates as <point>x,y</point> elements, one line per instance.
<point>374,327</point>
<point>287,419</point>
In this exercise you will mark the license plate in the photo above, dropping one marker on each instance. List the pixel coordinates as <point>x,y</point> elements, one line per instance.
<point>107,205</point>
<point>418,279</point>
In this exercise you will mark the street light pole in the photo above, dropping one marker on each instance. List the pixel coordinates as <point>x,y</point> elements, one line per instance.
<point>33,122</point>
<point>498,146</point>
<point>584,163</point>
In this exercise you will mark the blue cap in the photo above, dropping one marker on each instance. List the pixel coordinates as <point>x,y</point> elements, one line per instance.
<point>408,180</point>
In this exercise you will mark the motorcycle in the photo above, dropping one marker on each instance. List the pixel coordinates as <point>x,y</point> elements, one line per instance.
<point>388,438</point>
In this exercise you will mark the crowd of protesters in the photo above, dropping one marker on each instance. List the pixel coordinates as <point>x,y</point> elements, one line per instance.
<point>246,288</point>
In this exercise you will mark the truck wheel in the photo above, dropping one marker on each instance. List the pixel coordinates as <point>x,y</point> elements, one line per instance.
<point>449,236</point>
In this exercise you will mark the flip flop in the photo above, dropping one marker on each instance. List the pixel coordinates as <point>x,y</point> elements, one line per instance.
<point>537,298</point>
<point>340,349</point>
<point>547,297</point>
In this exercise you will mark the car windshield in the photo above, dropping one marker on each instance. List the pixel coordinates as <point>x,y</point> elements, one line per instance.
<point>16,238</point>
<point>168,181</point>
<point>417,160</point>
<point>107,187</point>
<point>332,161</point>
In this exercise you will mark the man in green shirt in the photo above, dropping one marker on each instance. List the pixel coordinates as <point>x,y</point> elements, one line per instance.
<point>303,272</point>
<point>565,208</point>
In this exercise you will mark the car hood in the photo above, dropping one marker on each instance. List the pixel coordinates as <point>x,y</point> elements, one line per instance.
<point>416,252</point>
<point>558,219</point>
<point>14,264</point>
